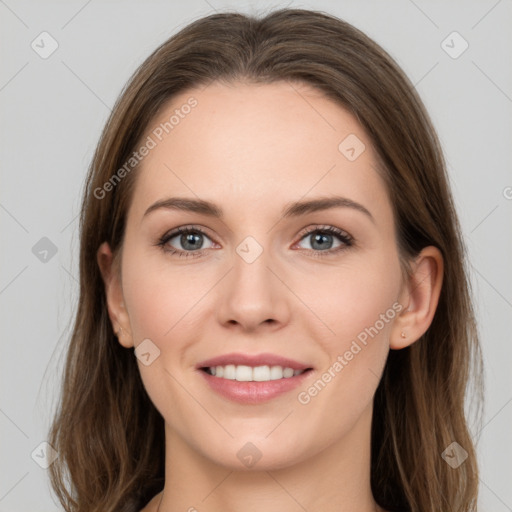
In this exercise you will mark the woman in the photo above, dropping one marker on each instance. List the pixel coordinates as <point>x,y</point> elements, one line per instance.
<point>274,307</point>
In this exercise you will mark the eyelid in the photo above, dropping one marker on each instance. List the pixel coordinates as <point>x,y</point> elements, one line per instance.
<point>325,228</point>
<point>194,228</point>
<point>187,227</point>
<point>346,239</point>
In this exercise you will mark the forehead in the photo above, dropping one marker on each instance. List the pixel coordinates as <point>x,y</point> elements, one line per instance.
<point>251,144</point>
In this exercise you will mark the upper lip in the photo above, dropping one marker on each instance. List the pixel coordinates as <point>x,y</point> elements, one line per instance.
<point>265,359</point>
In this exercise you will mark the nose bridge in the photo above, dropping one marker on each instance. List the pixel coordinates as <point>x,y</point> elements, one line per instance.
<point>250,266</point>
<point>252,294</point>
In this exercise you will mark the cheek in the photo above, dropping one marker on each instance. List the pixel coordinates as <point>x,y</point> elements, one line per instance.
<point>359,308</point>
<point>354,303</point>
<point>159,301</point>
<point>160,306</point>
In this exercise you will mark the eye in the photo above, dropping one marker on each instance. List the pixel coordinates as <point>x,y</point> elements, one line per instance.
<point>189,241</point>
<point>323,239</point>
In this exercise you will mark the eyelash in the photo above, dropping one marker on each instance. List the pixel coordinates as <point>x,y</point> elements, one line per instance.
<point>343,236</point>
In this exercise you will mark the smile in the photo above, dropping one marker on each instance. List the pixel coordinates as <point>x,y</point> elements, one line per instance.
<point>253,378</point>
<point>243,373</point>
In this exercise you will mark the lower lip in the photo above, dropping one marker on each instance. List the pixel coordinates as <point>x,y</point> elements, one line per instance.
<point>253,392</point>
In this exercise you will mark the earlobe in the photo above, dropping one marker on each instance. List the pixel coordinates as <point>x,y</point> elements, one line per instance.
<point>420,298</point>
<point>114,295</point>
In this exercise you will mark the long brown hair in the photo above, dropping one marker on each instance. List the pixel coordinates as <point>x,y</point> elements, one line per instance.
<point>110,437</point>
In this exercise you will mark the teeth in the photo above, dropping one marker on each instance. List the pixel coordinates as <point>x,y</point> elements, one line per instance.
<point>230,372</point>
<point>261,373</point>
<point>244,373</point>
<point>276,372</point>
<point>287,372</point>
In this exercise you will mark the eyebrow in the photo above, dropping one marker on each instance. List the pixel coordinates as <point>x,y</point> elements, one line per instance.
<point>294,209</point>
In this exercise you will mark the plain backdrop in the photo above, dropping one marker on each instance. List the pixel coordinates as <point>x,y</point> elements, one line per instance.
<point>53,110</point>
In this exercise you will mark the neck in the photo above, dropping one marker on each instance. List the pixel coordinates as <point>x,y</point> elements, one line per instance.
<point>337,479</point>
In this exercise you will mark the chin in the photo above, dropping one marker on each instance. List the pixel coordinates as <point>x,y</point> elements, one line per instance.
<point>251,455</point>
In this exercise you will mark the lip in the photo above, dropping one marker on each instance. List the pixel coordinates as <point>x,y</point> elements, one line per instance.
<point>265,359</point>
<point>253,392</point>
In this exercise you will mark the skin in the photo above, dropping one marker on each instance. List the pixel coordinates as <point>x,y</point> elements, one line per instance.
<point>251,149</point>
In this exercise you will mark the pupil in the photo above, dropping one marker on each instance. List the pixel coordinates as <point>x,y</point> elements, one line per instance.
<point>320,238</point>
<point>190,238</point>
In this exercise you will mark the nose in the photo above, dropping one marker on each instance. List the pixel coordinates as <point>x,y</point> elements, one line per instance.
<point>252,296</point>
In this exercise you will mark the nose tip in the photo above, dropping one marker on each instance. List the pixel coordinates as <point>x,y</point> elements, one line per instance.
<point>252,296</point>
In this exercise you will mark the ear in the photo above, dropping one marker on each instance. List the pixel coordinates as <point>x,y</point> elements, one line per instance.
<point>419,298</point>
<point>111,274</point>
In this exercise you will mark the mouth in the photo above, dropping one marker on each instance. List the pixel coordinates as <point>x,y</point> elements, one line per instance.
<point>244,373</point>
<point>253,379</point>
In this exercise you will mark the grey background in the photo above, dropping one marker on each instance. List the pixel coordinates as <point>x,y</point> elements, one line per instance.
<point>54,109</point>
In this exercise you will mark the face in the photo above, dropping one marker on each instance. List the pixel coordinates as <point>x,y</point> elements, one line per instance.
<point>318,286</point>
